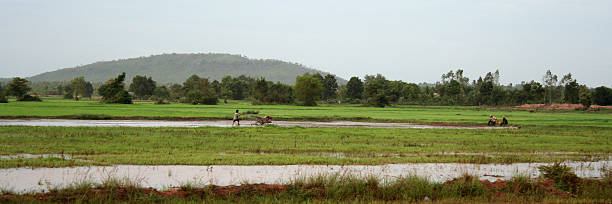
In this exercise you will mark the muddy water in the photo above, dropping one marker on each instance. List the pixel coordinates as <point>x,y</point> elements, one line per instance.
<point>215,123</point>
<point>165,176</point>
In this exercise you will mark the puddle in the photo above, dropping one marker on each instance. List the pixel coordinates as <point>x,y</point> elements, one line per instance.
<point>35,156</point>
<point>216,123</point>
<point>160,177</point>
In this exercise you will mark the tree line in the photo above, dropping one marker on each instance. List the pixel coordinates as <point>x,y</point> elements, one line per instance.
<point>374,90</point>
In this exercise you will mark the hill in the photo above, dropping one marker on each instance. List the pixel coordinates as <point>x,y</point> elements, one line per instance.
<point>175,68</point>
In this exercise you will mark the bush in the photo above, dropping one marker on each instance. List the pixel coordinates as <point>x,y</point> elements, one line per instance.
<point>122,97</point>
<point>563,176</point>
<point>521,185</point>
<point>29,98</point>
<point>463,187</point>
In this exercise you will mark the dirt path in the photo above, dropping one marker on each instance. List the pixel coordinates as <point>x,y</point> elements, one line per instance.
<point>219,123</point>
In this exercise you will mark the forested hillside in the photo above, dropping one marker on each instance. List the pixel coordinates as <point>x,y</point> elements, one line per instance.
<point>175,68</point>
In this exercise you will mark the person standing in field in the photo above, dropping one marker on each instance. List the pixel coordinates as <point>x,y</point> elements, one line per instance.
<point>236,118</point>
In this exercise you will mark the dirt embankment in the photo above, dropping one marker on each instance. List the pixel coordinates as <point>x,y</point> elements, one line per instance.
<point>557,106</point>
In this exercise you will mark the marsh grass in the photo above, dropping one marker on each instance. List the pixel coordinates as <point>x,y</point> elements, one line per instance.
<point>563,176</point>
<point>335,188</point>
<point>295,145</point>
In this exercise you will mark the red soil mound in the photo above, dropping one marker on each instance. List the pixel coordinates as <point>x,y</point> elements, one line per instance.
<point>557,106</point>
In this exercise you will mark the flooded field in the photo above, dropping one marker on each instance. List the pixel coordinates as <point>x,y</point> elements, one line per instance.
<point>218,123</point>
<point>166,176</point>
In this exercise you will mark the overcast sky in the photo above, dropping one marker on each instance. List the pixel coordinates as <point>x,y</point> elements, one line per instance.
<point>413,41</point>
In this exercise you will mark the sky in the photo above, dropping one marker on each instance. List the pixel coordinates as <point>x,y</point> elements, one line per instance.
<point>412,41</point>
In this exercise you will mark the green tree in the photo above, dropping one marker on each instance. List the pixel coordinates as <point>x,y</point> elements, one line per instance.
<point>571,92</point>
<point>89,89</point>
<point>260,91</point>
<point>411,92</point>
<point>113,91</point>
<point>226,87</point>
<point>308,90</point>
<point>161,93</point>
<point>199,91</point>
<point>549,80</point>
<point>586,98</point>
<point>354,88</point>
<point>376,90</point>
<point>176,91</point>
<point>79,87</point>
<point>142,87</point>
<point>602,96</point>
<point>3,98</point>
<point>330,87</point>
<point>68,92</point>
<point>18,87</point>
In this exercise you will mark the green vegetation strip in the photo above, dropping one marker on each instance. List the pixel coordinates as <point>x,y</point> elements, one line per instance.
<point>469,115</point>
<point>279,146</point>
<point>337,188</point>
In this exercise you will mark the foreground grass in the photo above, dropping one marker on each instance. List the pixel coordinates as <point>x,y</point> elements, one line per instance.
<point>333,188</point>
<point>88,109</point>
<point>295,145</point>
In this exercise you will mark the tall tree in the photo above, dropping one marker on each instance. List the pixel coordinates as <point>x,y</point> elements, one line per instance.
<point>113,91</point>
<point>161,93</point>
<point>3,98</point>
<point>176,92</point>
<point>571,92</point>
<point>354,88</point>
<point>377,90</point>
<point>549,80</point>
<point>199,91</point>
<point>18,87</point>
<point>79,87</point>
<point>308,90</point>
<point>330,87</point>
<point>142,87</point>
<point>602,96</point>
<point>89,89</point>
<point>260,91</point>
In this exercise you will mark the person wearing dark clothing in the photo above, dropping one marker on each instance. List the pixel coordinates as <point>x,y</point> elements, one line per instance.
<point>504,121</point>
<point>236,118</point>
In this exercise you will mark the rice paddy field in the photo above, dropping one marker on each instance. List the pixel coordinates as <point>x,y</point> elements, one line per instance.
<point>546,136</point>
<point>468,115</point>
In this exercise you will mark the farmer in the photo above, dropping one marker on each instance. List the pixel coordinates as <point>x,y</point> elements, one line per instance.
<point>236,118</point>
<point>492,120</point>
<point>504,121</point>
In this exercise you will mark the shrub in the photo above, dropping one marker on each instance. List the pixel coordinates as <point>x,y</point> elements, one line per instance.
<point>521,185</point>
<point>29,98</point>
<point>465,186</point>
<point>563,176</point>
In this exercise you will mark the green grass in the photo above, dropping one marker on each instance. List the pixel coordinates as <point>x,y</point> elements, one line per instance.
<point>332,188</point>
<point>295,145</point>
<point>89,109</point>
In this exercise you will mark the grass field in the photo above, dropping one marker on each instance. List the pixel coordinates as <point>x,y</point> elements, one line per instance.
<point>278,145</point>
<point>545,136</point>
<point>469,115</point>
